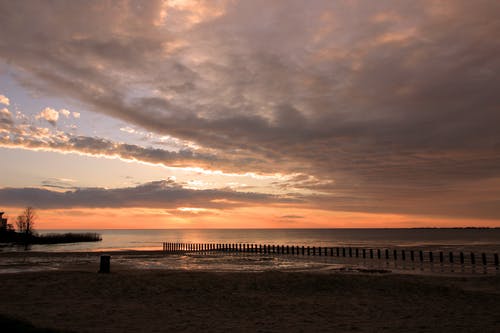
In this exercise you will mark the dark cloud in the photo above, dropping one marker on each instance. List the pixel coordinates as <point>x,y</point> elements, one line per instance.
<point>382,102</point>
<point>57,183</point>
<point>5,118</point>
<point>32,137</point>
<point>158,194</point>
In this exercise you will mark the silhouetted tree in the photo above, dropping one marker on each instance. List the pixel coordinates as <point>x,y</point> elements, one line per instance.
<point>21,223</point>
<point>26,221</point>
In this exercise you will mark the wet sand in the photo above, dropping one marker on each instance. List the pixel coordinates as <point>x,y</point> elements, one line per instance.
<point>75,298</point>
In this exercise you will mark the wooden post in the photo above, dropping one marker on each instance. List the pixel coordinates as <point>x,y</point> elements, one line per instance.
<point>472,259</point>
<point>412,255</point>
<point>308,251</point>
<point>441,257</point>
<point>319,250</point>
<point>314,250</point>
<point>331,252</point>
<point>496,259</point>
<point>338,251</point>
<point>364,253</point>
<point>421,255</point>
<point>379,255</point>
<point>483,257</point>
<point>462,258</point>
<point>395,253</point>
<point>350,252</point>
<point>105,264</point>
<point>303,249</point>
<point>357,253</point>
<point>343,252</point>
<point>431,257</point>
<point>403,255</point>
<point>371,254</point>
<point>387,254</point>
<point>451,257</point>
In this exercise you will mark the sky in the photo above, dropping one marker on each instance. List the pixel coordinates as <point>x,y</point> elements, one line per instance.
<point>250,114</point>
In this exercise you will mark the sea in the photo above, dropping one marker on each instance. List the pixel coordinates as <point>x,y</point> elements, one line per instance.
<point>446,239</point>
<point>133,248</point>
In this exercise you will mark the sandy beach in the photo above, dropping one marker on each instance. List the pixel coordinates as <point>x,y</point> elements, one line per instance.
<point>77,299</point>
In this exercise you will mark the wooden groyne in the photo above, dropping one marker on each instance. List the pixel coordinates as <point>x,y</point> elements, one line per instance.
<point>387,255</point>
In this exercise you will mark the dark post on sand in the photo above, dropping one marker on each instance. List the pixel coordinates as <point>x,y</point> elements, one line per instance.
<point>105,264</point>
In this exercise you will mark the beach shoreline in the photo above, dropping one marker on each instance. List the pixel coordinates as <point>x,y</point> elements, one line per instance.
<point>76,298</point>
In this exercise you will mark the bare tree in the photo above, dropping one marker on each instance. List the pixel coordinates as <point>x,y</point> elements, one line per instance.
<point>26,221</point>
<point>21,223</point>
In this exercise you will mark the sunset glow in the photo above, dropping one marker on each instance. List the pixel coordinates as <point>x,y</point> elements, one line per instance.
<point>250,114</point>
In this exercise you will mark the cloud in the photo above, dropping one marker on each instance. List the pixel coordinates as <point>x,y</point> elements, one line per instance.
<point>127,129</point>
<point>5,117</point>
<point>4,100</point>
<point>50,115</point>
<point>369,101</point>
<point>159,194</point>
<point>59,183</point>
<point>65,113</point>
<point>40,138</point>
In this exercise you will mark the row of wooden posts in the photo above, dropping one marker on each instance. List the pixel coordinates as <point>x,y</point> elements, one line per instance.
<point>346,252</point>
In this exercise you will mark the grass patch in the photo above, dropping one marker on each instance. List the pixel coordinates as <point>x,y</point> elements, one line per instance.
<point>66,238</point>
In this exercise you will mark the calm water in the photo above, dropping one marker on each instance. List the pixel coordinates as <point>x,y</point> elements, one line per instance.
<point>445,239</point>
<point>474,240</point>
